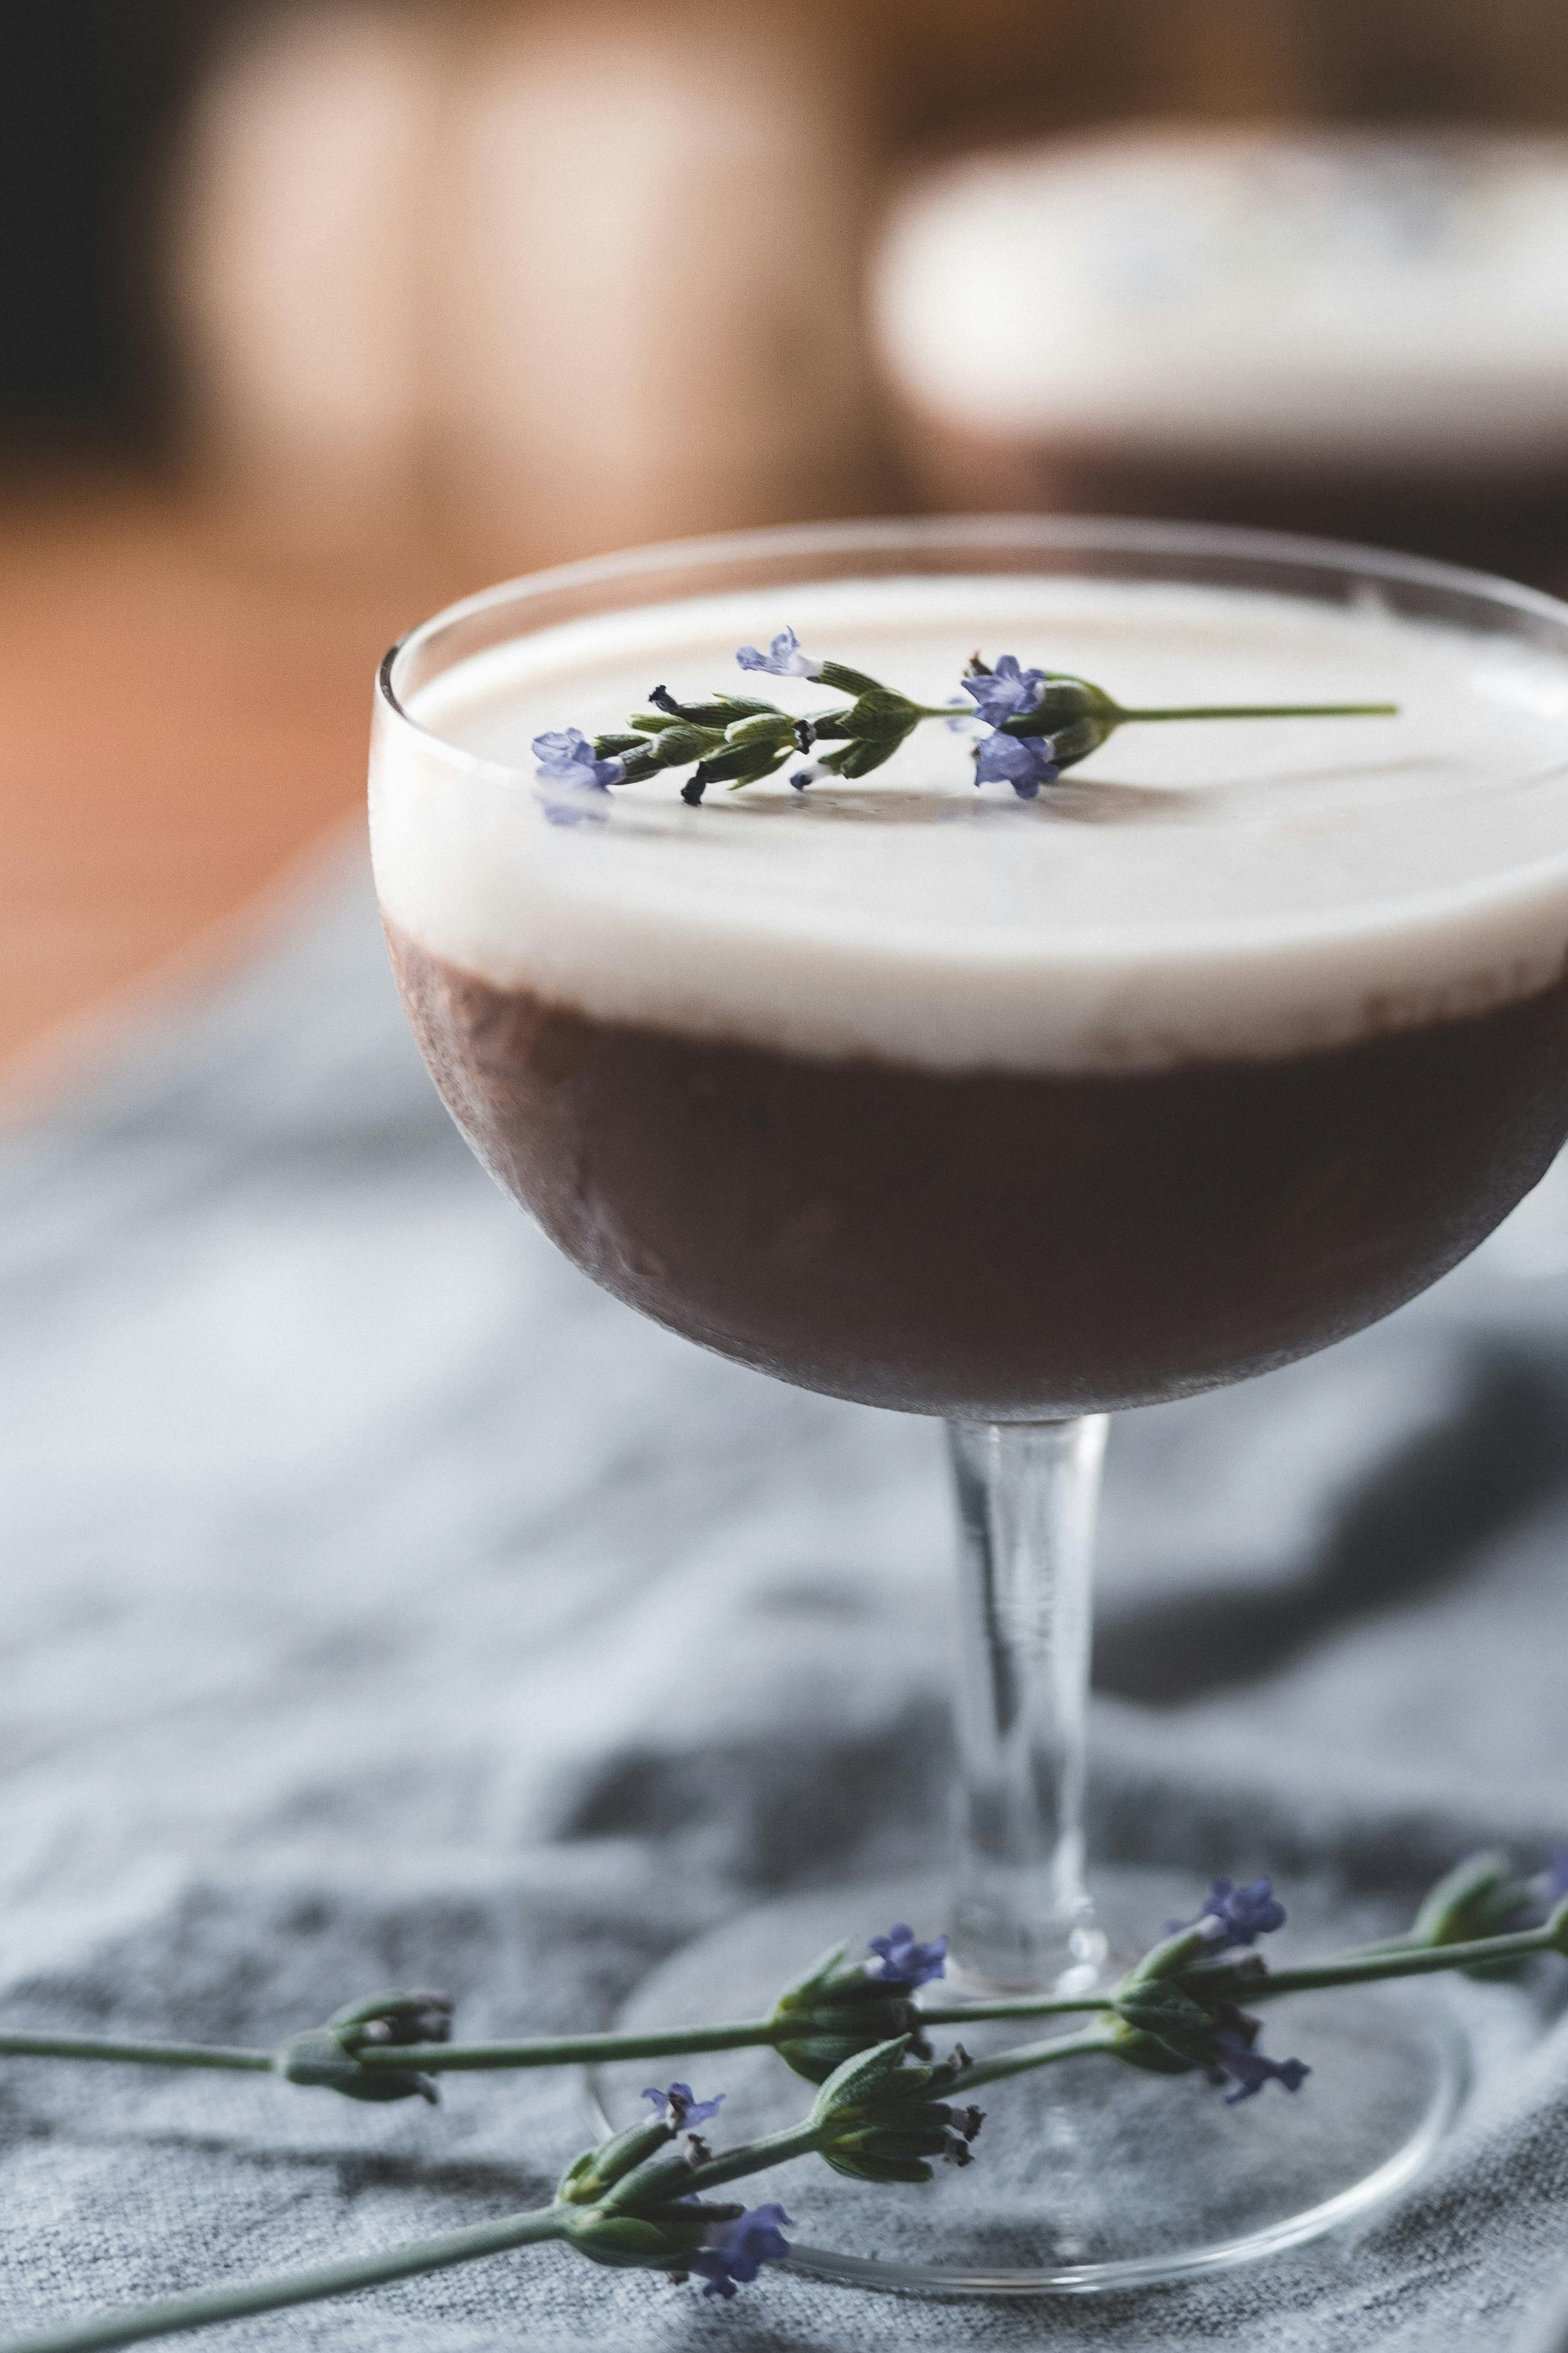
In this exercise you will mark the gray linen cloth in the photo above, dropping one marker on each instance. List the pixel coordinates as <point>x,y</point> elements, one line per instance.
<point>382,1603</point>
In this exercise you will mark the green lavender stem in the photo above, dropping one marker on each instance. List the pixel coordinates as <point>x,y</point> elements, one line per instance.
<point>1029,2056</point>
<point>1118,717</point>
<point>675,2042</point>
<point>1407,1961</point>
<point>752,2157</point>
<point>134,2323</point>
<point>1024,2005</point>
<point>1268,711</point>
<point>574,2050</point>
<point>541,2051</point>
<point>138,2054</point>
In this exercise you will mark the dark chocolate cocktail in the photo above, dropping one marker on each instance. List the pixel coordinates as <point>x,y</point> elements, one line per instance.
<point>1008,1111</point>
<point>998,1246</point>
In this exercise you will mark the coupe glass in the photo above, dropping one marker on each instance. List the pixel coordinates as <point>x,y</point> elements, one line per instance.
<point>1090,2176</point>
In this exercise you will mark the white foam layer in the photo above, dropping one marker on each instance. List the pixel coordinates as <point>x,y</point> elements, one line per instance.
<point>1191,891</point>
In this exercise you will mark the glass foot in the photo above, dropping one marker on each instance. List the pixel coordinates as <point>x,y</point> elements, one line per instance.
<point>1087,2177</point>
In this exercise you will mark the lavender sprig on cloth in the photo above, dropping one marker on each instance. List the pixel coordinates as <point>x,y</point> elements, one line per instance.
<point>884,2112</point>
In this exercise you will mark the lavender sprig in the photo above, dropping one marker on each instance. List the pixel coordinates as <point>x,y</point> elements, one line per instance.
<point>1039,724</point>
<point>635,2201</point>
<point>639,2201</point>
<point>884,2111</point>
<point>1483,1916</point>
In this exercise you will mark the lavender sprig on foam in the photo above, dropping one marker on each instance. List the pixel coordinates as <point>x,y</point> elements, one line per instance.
<point>1034,724</point>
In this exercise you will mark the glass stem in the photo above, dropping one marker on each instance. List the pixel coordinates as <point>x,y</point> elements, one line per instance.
<point>1027,1493</point>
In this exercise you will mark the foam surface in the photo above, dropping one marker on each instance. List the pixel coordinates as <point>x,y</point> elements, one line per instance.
<point>1191,892</point>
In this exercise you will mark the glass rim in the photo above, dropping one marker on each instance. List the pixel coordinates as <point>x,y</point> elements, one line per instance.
<point>888,534</point>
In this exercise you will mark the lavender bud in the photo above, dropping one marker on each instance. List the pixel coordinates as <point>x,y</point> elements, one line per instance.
<point>326,2057</point>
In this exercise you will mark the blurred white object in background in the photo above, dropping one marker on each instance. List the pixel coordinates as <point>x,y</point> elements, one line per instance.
<point>296,228</point>
<point>1349,296</point>
<point>1380,309</point>
<point>576,274</point>
<point>653,288</point>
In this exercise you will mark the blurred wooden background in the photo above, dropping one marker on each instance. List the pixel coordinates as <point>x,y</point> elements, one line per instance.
<point>181,712</point>
<point>375,301</point>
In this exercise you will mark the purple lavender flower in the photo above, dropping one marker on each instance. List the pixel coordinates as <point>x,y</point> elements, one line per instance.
<point>1247,2069</point>
<point>1235,1915</point>
<point>1024,762</point>
<point>1005,691</point>
<point>902,1959</point>
<point>684,2110</point>
<point>740,2250</point>
<point>567,757</point>
<point>784,657</point>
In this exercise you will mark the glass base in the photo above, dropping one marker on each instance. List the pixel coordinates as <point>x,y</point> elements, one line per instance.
<point>1092,2175</point>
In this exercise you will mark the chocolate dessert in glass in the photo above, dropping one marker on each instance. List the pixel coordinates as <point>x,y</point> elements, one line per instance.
<point>1012,1112</point>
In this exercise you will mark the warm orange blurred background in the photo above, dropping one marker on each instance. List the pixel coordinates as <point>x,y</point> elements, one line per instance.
<point>316,314</point>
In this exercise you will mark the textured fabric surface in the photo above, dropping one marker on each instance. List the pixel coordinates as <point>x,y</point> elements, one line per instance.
<point>382,1603</point>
